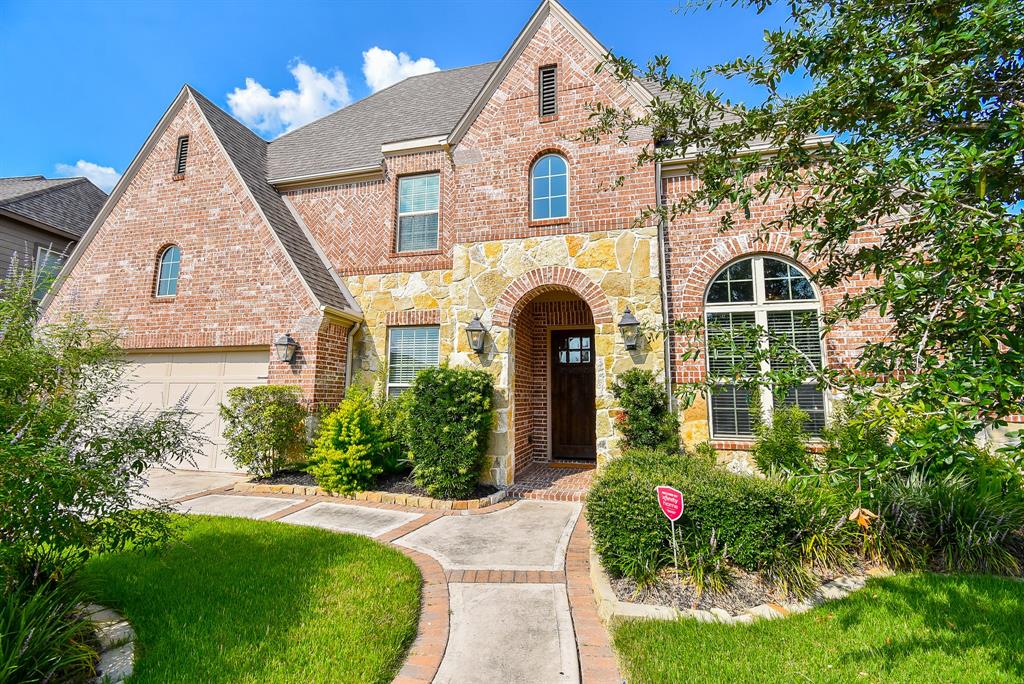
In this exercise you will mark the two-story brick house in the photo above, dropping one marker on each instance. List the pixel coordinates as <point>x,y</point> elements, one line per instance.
<point>374,236</point>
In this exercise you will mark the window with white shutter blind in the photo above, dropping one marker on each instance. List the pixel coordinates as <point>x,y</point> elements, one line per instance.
<point>773,296</point>
<point>548,88</point>
<point>410,349</point>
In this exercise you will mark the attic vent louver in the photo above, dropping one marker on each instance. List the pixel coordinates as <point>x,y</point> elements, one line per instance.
<point>179,165</point>
<point>548,90</point>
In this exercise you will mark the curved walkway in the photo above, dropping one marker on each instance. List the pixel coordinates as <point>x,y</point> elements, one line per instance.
<point>512,582</point>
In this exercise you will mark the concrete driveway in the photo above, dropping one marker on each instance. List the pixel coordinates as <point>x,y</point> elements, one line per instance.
<point>165,485</point>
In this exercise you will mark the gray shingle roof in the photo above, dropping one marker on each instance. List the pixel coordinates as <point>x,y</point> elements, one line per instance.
<point>67,204</point>
<point>248,152</point>
<point>418,107</point>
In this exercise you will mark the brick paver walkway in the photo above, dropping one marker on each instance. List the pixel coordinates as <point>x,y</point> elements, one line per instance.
<point>493,658</point>
<point>545,482</point>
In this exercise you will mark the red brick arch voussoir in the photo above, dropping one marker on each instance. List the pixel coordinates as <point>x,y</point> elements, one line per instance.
<point>550,279</point>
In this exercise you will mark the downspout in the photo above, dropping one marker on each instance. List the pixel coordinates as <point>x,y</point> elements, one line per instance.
<point>349,354</point>
<point>662,248</point>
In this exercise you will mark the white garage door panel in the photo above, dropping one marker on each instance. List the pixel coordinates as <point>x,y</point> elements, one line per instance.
<point>160,379</point>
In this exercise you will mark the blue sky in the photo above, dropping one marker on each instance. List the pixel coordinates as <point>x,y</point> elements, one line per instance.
<point>85,82</point>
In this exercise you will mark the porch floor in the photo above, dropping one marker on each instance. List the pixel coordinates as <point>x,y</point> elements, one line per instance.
<point>547,482</point>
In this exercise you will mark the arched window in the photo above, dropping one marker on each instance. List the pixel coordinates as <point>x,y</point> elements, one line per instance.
<point>777,297</point>
<point>549,188</point>
<point>167,272</point>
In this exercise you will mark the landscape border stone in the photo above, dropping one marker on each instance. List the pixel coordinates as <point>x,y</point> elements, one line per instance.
<point>375,497</point>
<point>610,607</point>
<point>117,644</point>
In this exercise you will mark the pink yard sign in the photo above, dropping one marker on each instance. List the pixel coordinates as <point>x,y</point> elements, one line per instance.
<point>671,502</point>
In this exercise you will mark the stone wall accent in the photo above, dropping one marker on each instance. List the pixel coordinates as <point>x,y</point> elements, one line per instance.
<point>619,267</point>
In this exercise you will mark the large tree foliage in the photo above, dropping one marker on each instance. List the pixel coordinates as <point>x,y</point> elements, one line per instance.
<point>920,191</point>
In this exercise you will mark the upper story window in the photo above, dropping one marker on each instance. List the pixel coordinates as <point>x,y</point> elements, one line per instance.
<point>547,88</point>
<point>410,350</point>
<point>778,298</point>
<point>549,187</point>
<point>418,201</point>
<point>169,265</point>
<point>47,265</point>
<point>181,158</point>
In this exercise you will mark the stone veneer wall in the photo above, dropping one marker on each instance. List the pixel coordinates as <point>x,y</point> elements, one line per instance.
<point>622,265</point>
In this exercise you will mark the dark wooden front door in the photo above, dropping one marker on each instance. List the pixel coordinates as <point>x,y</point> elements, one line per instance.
<point>573,424</point>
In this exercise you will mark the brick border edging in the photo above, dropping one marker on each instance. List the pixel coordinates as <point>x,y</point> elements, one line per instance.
<point>597,661</point>
<point>423,659</point>
<point>375,496</point>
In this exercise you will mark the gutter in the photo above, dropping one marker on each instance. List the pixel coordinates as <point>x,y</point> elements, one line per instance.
<point>662,248</point>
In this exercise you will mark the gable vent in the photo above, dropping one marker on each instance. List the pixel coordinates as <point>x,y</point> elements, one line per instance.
<point>179,166</point>
<point>548,90</point>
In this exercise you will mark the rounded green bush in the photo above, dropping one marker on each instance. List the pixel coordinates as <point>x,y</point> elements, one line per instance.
<point>449,421</point>
<point>352,445</point>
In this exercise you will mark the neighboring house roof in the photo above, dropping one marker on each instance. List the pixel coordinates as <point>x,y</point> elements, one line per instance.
<point>417,107</point>
<point>65,205</point>
<point>248,152</point>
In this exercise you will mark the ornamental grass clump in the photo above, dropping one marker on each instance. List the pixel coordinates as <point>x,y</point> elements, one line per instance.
<point>449,421</point>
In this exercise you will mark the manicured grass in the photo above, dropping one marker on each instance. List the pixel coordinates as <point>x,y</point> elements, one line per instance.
<point>245,601</point>
<point>911,628</point>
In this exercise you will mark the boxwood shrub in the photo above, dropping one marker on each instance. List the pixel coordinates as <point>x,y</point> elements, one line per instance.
<point>757,520</point>
<point>449,422</point>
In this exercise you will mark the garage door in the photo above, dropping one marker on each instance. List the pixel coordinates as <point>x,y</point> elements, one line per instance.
<point>159,379</point>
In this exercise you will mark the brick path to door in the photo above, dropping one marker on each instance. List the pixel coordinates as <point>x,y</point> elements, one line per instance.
<point>506,589</point>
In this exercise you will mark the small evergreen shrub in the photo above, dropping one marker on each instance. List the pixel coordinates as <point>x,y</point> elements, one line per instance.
<point>755,522</point>
<point>351,446</point>
<point>449,423</point>
<point>781,445</point>
<point>647,421</point>
<point>394,419</point>
<point>264,427</point>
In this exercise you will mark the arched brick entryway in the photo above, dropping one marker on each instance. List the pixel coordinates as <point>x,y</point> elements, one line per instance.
<point>553,393</point>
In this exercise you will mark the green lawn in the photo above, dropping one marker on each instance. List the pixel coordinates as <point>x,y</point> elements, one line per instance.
<point>911,628</point>
<point>245,601</point>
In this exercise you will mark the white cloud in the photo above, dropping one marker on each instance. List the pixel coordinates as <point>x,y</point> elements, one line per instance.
<point>318,94</point>
<point>105,177</point>
<point>383,67</point>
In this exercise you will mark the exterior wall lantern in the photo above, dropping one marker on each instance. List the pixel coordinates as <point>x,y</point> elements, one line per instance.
<point>629,326</point>
<point>284,347</point>
<point>475,332</point>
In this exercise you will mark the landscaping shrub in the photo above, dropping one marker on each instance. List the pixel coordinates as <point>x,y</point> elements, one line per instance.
<point>351,446</point>
<point>647,421</point>
<point>394,419</point>
<point>449,422</point>
<point>757,522</point>
<point>264,427</point>
<point>949,522</point>
<point>72,461</point>
<point>781,444</point>
<point>43,636</point>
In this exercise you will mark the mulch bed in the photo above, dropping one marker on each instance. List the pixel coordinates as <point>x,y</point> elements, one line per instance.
<point>747,590</point>
<point>400,483</point>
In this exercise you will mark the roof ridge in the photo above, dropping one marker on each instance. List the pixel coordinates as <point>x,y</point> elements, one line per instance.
<point>72,180</point>
<point>369,97</point>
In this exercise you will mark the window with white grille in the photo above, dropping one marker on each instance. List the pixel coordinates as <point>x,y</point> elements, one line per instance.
<point>418,201</point>
<point>774,296</point>
<point>45,270</point>
<point>548,88</point>
<point>410,350</point>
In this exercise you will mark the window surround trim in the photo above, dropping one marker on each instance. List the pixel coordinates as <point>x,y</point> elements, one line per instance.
<point>156,274</point>
<point>760,308</point>
<point>406,385</point>
<point>551,220</point>
<point>395,251</point>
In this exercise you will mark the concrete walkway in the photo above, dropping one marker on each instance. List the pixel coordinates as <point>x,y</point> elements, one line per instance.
<point>505,569</point>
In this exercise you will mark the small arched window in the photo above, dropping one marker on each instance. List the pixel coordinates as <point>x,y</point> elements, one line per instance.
<point>167,272</point>
<point>549,188</point>
<point>776,297</point>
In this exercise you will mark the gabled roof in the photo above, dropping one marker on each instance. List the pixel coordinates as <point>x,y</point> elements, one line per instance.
<point>248,153</point>
<point>351,138</point>
<point>66,205</point>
